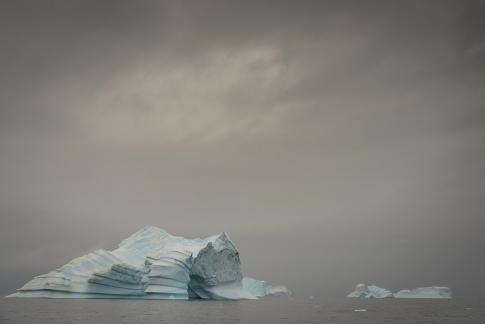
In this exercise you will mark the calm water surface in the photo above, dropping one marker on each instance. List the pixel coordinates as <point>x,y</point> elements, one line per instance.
<point>268,310</point>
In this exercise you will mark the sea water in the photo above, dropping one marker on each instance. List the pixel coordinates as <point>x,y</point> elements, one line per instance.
<point>266,310</point>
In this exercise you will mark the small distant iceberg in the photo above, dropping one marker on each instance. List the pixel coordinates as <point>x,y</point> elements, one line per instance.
<point>152,264</point>
<point>278,291</point>
<point>259,288</point>
<point>425,292</point>
<point>372,291</point>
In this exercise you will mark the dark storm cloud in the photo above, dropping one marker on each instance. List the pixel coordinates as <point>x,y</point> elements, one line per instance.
<point>345,137</point>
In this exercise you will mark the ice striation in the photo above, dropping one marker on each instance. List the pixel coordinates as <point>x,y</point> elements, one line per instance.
<point>152,264</point>
<point>363,291</point>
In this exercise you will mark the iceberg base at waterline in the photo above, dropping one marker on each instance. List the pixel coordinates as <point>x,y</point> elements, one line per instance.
<point>372,291</point>
<point>152,264</point>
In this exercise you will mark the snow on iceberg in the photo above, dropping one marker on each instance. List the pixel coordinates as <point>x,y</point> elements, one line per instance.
<point>372,291</point>
<point>152,264</point>
<point>425,292</point>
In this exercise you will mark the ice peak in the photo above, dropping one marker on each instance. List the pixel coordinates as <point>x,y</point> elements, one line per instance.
<point>223,241</point>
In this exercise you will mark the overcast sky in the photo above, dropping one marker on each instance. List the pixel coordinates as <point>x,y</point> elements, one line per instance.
<point>336,142</point>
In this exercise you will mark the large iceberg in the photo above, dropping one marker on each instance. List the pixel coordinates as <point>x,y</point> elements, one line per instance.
<point>152,264</point>
<point>363,291</point>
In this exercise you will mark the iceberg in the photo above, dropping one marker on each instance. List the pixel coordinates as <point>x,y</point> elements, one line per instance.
<point>372,291</point>
<point>152,264</point>
<point>425,292</point>
<point>278,291</point>
<point>259,288</point>
<point>254,286</point>
<point>363,291</point>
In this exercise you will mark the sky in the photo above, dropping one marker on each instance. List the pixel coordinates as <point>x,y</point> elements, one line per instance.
<point>336,142</point>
